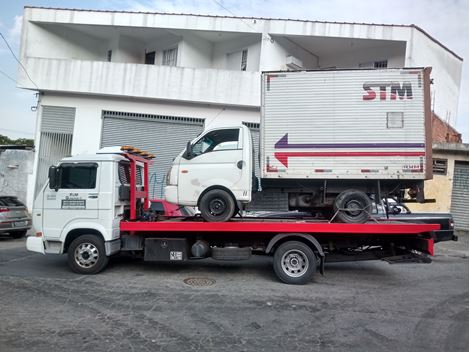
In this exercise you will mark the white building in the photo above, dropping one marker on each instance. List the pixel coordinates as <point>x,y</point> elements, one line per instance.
<point>154,79</point>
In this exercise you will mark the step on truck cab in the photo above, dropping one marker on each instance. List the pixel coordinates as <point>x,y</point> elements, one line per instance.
<point>97,205</point>
<point>333,140</point>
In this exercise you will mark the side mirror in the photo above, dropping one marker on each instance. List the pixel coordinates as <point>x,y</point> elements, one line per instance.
<point>188,153</point>
<point>54,178</point>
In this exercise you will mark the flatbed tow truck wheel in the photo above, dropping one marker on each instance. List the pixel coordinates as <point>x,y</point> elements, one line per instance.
<point>352,206</point>
<point>87,255</point>
<point>294,263</point>
<point>217,205</point>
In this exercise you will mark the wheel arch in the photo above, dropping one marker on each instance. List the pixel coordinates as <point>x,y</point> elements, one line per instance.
<point>75,233</point>
<point>217,187</point>
<point>302,237</point>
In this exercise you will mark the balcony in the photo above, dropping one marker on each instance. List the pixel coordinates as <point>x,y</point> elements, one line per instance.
<point>200,85</point>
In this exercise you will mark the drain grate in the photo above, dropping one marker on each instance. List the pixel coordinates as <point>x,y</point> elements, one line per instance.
<point>199,281</point>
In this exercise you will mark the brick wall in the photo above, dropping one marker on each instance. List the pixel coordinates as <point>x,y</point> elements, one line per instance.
<point>442,132</point>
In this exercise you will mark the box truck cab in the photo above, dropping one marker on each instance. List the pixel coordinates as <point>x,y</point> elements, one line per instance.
<point>214,173</point>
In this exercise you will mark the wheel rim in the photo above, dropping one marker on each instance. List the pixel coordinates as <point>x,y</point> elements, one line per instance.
<point>354,207</point>
<point>294,263</point>
<point>217,206</point>
<point>86,255</point>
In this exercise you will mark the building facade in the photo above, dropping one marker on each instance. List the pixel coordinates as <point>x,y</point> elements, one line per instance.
<point>449,185</point>
<point>156,80</point>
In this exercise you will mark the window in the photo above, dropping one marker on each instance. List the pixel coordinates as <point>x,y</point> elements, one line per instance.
<point>244,59</point>
<point>78,176</point>
<point>380,64</point>
<point>150,58</point>
<point>169,57</point>
<point>395,119</point>
<point>10,202</point>
<point>217,141</point>
<point>439,166</point>
<point>109,55</point>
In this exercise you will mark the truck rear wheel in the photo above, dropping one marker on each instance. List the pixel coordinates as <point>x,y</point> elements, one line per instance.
<point>352,206</point>
<point>217,205</point>
<point>294,263</point>
<point>87,255</point>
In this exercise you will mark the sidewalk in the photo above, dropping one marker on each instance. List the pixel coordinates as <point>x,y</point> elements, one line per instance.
<point>454,249</point>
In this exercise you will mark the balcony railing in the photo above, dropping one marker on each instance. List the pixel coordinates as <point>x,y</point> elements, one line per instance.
<point>203,85</point>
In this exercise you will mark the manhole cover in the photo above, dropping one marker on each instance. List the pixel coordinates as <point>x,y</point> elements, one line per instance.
<point>199,281</point>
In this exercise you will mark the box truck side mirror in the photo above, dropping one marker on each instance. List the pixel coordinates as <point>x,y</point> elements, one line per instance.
<point>188,153</point>
<point>54,178</point>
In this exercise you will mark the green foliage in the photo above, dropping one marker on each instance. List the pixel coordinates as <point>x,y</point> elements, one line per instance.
<point>4,140</point>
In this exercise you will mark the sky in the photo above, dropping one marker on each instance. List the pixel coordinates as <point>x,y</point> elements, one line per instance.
<point>445,20</point>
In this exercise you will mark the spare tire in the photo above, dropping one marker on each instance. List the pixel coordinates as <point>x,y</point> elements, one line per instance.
<point>352,206</point>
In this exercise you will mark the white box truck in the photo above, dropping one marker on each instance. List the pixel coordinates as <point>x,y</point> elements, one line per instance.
<point>333,140</point>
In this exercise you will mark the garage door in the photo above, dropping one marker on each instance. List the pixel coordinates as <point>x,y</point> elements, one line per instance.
<point>459,205</point>
<point>164,136</point>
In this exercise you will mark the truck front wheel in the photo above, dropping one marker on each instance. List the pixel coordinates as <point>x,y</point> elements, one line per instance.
<point>294,263</point>
<point>87,255</point>
<point>217,205</point>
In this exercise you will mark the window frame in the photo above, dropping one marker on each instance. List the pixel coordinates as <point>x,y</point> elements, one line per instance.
<point>76,165</point>
<point>239,146</point>
<point>435,168</point>
<point>175,49</point>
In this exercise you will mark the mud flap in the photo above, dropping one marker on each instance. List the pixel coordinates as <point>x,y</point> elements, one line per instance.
<point>322,265</point>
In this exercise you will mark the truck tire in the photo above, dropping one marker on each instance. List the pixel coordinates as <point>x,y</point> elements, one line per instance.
<point>18,234</point>
<point>217,205</point>
<point>294,263</point>
<point>353,206</point>
<point>87,255</point>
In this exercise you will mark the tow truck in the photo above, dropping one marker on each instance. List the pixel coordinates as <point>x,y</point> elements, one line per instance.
<point>95,206</point>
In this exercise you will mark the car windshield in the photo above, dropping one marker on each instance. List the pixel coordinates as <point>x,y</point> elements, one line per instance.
<point>10,202</point>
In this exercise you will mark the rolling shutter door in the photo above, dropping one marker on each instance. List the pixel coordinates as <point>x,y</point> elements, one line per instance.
<point>459,205</point>
<point>55,141</point>
<point>164,136</point>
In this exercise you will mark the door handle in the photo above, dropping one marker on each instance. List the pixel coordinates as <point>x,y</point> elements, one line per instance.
<point>93,196</point>
<point>240,164</point>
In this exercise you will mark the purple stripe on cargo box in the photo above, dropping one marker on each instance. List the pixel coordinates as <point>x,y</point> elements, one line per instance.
<point>283,143</point>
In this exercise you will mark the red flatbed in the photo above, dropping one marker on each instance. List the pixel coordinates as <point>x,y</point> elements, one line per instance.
<point>273,226</point>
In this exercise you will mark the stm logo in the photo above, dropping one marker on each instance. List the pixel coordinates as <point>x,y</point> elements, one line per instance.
<point>395,89</point>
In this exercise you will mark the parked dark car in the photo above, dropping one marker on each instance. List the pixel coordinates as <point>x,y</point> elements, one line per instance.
<point>446,233</point>
<point>14,217</point>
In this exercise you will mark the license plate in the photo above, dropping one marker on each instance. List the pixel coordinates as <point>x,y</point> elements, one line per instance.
<point>20,223</point>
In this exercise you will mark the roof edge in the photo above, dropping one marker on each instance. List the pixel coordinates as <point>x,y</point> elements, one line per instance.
<point>255,18</point>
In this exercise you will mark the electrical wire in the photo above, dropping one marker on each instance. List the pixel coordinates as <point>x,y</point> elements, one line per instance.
<point>17,60</point>
<point>241,19</point>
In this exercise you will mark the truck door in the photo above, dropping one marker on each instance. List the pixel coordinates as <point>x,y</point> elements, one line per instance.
<point>75,199</point>
<point>217,159</point>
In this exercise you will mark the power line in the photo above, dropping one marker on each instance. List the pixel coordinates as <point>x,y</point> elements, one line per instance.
<point>7,76</point>
<point>241,19</point>
<point>19,62</point>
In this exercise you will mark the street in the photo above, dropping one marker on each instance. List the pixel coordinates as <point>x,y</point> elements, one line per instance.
<point>137,306</point>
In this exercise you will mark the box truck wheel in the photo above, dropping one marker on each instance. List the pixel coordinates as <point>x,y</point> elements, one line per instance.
<point>87,255</point>
<point>353,206</point>
<point>217,205</point>
<point>294,263</point>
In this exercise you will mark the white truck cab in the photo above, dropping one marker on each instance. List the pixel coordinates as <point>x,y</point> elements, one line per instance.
<point>214,172</point>
<point>82,196</point>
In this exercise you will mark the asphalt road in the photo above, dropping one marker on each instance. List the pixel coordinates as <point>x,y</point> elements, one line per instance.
<point>137,306</point>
